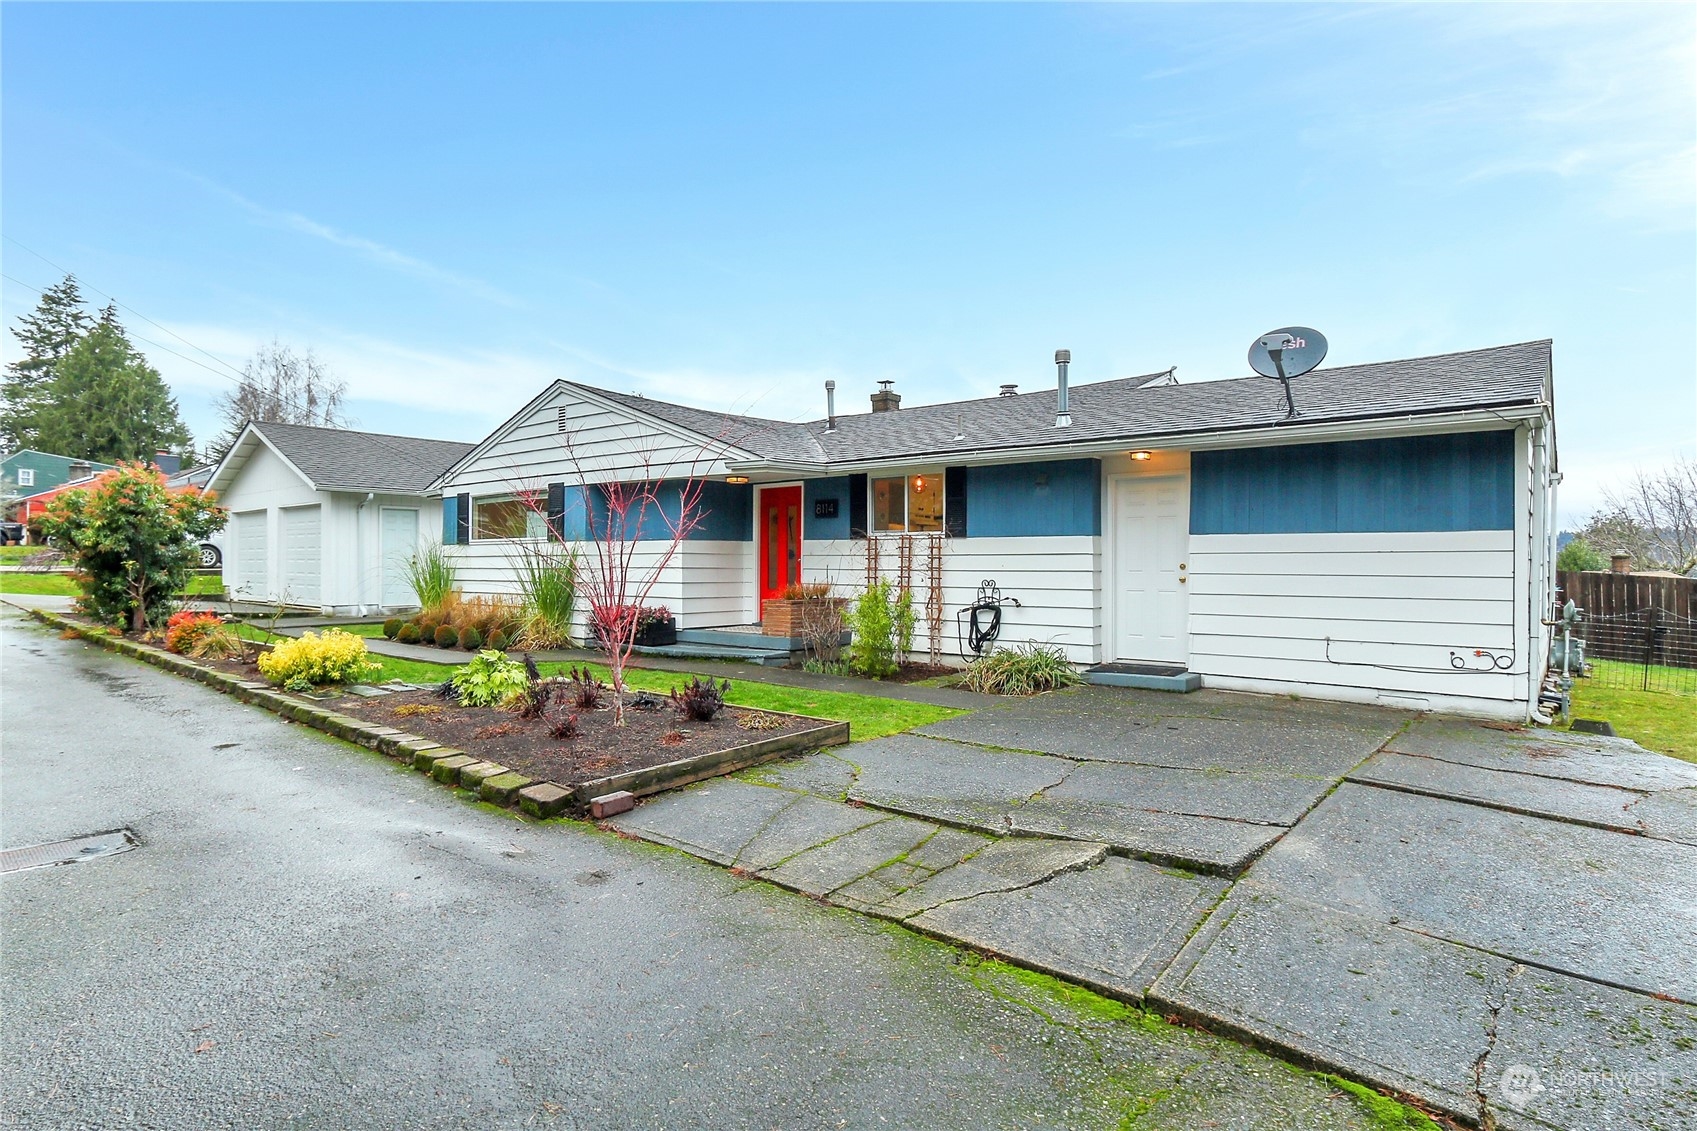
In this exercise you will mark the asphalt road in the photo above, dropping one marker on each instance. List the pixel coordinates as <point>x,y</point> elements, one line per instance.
<point>311,937</point>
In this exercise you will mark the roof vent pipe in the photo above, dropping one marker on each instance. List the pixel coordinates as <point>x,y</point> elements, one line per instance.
<point>1010,391</point>
<point>1063,417</point>
<point>830,406</point>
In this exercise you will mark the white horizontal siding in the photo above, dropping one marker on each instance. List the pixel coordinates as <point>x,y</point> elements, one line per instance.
<point>1395,608</point>
<point>719,575</point>
<point>601,443</point>
<point>1056,580</point>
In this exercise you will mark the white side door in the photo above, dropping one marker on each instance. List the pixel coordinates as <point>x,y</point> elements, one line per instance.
<point>1151,539</point>
<point>303,554</point>
<point>253,559</point>
<point>399,541</point>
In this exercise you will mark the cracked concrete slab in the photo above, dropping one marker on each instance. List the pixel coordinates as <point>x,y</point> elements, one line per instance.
<point>713,820</point>
<point>1265,799</point>
<point>1672,813</point>
<point>948,781</point>
<point>823,774</point>
<point>1607,806</point>
<point>1574,1054</point>
<point>1587,758</point>
<point>1112,927</point>
<point>829,866</point>
<point>1206,844</point>
<point>796,828</point>
<point>1002,866</point>
<point>1400,1010</point>
<point>1584,901</point>
<point>1244,734</point>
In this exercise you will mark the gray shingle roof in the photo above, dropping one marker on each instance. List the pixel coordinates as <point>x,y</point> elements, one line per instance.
<point>339,459</point>
<point>1126,409</point>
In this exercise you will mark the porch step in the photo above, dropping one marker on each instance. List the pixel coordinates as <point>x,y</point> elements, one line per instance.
<point>1150,677</point>
<point>744,636</point>
<point>695,650</point>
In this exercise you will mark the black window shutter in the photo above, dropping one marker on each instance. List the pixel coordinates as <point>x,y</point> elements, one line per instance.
<point>954,502</point>
<point>857,506</point>
<point>462,521</point>
<point>556,512</point>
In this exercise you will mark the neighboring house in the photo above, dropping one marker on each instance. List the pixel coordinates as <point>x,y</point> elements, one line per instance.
<point>1393,544</point>
<point>29,478</point>
<point>325,518</point>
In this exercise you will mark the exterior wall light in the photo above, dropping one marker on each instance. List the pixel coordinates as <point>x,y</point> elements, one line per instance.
<point>736,479</point>
<point>1141,455</point>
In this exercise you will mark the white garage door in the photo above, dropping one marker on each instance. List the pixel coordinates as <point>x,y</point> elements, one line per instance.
<point>400,539</point>
<point>303,554</point>
<point>253,562</point>
<point>1151,534</point>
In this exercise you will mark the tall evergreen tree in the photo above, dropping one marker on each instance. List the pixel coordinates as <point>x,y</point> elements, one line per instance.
<point>47,334</point>
<point>107,403</point>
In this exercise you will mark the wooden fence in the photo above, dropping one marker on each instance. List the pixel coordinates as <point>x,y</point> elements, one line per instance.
<point>1645,622</point>
<point>1619,594</point>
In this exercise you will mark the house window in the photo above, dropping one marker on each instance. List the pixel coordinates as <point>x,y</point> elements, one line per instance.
<point>912,503</point>
<point>506,517</point>
<point>26,477</point>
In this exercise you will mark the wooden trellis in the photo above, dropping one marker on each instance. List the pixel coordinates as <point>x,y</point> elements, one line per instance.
<point>934,600</point>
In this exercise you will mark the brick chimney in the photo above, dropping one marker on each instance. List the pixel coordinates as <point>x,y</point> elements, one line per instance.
<point>79,469</point>
<point>1620,562</point>
<point>886,399</point>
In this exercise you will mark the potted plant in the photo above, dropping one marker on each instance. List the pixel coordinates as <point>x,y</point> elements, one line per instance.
<point>655,627</point>
<point>798,610</point>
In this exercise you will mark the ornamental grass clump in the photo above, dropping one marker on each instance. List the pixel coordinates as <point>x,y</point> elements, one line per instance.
<point>314,660</point>
<point>547,579</point>
<point>1030,669</point>
<point>431,575</point>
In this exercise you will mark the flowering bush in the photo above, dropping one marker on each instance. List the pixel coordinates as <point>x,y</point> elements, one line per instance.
<point>311,660</point>
<point>185,630</point>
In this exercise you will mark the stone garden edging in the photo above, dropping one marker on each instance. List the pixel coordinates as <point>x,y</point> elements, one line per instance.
<point>490,781</point>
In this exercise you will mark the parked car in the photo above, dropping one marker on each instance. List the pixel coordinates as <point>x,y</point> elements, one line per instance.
<point>11,534</point>
<point>212,552</point>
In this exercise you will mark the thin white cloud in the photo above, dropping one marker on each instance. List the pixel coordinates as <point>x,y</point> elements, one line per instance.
<point>372,250</point>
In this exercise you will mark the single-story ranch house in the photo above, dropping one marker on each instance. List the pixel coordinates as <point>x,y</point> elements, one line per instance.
<point>1392,544</point>
<point>326,518</point>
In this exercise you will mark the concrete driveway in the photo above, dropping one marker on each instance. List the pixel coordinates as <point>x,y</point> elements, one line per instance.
<point>1501,923</point>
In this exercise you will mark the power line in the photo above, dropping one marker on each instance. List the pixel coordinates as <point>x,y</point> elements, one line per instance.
<point>237,380</point>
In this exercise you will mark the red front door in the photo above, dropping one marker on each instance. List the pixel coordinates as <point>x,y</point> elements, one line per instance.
<point>780,540</point>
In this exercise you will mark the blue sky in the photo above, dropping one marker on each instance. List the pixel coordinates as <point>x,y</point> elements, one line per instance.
<point>727,205</point>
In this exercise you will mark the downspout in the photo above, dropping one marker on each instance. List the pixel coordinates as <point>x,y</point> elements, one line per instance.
<point>1536,572</point>
<point>359,553</point>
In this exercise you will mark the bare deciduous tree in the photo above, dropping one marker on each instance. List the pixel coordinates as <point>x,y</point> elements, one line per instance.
<point>280,386</point>
<point>1653,517</point>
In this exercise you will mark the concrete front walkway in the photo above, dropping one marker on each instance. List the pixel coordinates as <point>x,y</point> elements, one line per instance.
<point>1503,924</point>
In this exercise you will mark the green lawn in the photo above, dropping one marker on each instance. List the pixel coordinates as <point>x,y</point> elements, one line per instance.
<point>868,716</point>
<point>1657,720</point>
<point>14,555</point>
<point>61,585</point>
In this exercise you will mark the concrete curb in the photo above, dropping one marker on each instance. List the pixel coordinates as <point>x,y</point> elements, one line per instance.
<point>488,781</point>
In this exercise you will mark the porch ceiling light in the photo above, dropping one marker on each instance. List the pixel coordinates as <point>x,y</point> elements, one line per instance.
<point>736,479</point>
<point>1140,455</point>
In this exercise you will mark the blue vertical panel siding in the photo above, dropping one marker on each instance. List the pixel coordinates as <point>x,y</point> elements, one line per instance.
<point>1035,500</point>
<point>572,519</point>
<point>1463,481</point>
<point>814,490</point>
<point>727,512</point>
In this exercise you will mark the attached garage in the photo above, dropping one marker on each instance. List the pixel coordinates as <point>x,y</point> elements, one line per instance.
<point>325,518</point>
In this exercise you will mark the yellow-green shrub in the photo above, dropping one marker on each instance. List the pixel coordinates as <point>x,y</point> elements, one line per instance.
<point>313,659</point>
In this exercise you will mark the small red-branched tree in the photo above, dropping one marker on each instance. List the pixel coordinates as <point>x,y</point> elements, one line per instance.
<point>619,571</point>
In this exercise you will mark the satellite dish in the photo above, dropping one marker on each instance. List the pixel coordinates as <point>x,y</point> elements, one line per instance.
<point>1283,354</point>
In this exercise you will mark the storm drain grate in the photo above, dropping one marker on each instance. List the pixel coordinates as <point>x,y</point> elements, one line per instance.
<point>91,847</point>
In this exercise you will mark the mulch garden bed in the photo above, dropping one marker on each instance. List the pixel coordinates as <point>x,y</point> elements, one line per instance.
<point>650,737</point>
